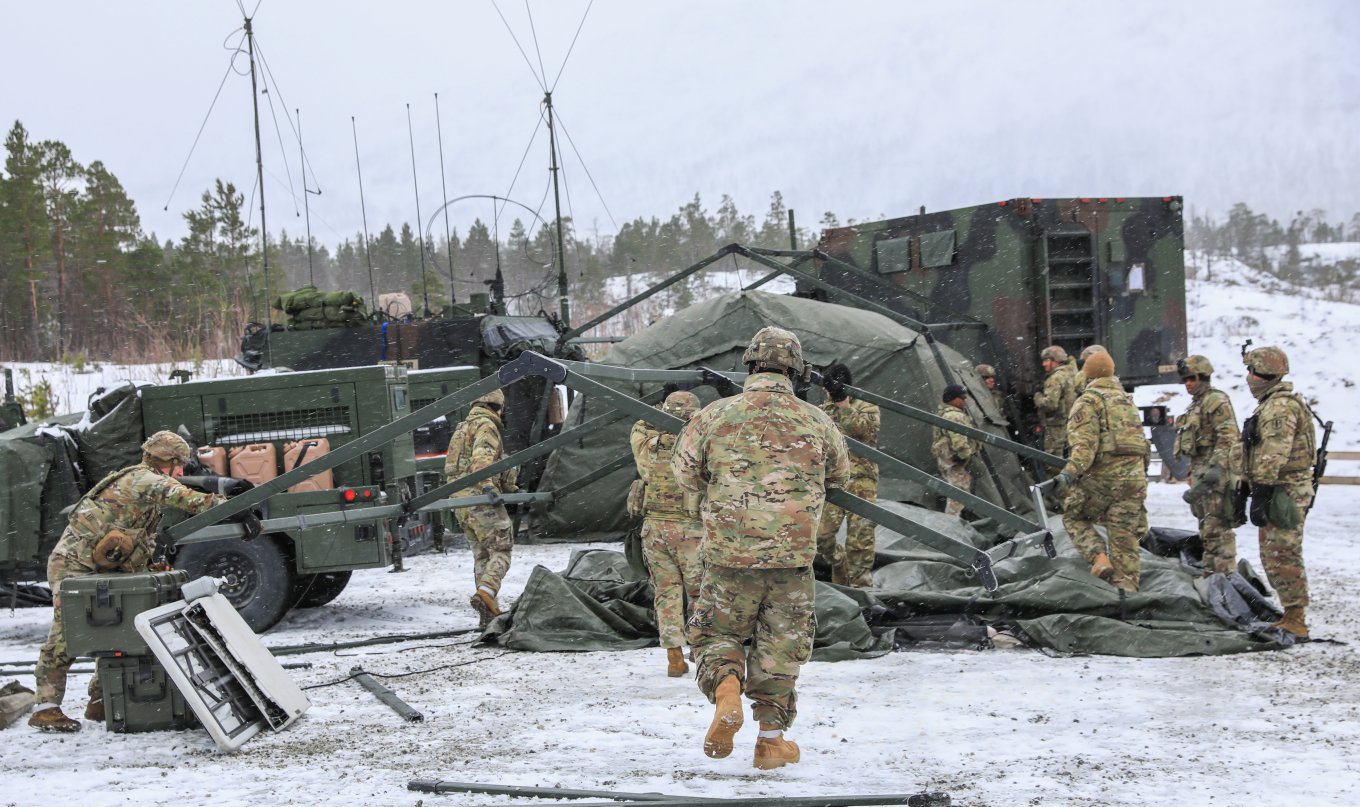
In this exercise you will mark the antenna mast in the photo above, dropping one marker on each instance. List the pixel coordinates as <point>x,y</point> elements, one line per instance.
<point>424,286</point>
<point>259,179</point>
<point>302,166</point>
<point>448,235</point>
<point>563,304</point>
<point>363,211</point>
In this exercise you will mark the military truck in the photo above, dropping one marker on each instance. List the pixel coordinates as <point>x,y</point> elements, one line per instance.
<point>1000,281</point>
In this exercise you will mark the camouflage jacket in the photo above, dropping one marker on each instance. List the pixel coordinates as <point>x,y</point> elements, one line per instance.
<point>951,448</point>
<point>663,498</point>
<point>860,421</point>
<point>1105,433</point>
<point>130,500</point>
<point>764,460</point>
<point>475,444</point>
<point>1288,439</point>
<point>1207,432</point>
<point>1061,388</point>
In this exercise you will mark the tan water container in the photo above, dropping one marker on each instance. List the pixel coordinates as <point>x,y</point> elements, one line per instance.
<point>557,410</point>
<point>315,447</point>
<point>214,458</point>
<point>256,462</point>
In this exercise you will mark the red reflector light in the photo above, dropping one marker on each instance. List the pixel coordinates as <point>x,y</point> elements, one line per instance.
<point>1085,198</point>
<point>1102,201</point>
<point>1037,201</point>
<point>368,493</point>
<point>1000,204</point>
<point>348,495</point>
<point>1166,198</point>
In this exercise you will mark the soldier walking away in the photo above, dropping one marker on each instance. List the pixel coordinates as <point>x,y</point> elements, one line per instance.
<point>988,375</point>
<point>1279,444</point>
<point>1105,478</point>
<point>764,460</point>
<point>475,444</point>
<point>1206,435</point>
<point>111,529</point>
<point>671,530</point>
<point>1055,400</point>
<point>852,564</point>
<point>952,451</point>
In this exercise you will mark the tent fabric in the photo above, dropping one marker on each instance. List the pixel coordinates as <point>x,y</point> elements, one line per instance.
<point>885,357</point>
<point>38,478</point>
<point>110,436</point>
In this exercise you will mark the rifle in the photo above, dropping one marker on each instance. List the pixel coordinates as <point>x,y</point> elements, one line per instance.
<point>1320,460</point>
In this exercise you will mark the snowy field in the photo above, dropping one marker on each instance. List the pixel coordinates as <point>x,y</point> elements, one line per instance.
<point>997,727</point>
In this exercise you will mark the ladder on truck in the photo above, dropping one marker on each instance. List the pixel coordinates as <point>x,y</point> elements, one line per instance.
<point>1071,288</point>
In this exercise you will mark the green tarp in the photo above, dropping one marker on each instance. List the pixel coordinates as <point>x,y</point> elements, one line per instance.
<point>886,358</point>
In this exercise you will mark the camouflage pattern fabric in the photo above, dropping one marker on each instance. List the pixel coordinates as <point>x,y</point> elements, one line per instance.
<point>1054,402</point>
<point>1109,458</point>
<point>1284,456</point>
<point>129,500</point>
<point>856,557</point>
<point>1206,435</point>
<point>858,420</point>
<point>952,452</point>
<point>763,461</point>
<point>774,609</point>
<point>663,498</point>
<point>671,549</point>
<point>475,444</point>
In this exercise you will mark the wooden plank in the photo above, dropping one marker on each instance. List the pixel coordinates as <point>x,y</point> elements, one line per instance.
<point>1343,456</point>
<point>1340,480</point>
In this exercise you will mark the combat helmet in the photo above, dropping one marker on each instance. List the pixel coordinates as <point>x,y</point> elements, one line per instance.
<point>985,371</point>
<point>776,347</point>
<point>1088,350</point>
<point>682,404</point>
<point>1194,366</point>
<point>1267,361</point>
<point>495,396</point>
<point>166,447</point>
<point>1053,353</point>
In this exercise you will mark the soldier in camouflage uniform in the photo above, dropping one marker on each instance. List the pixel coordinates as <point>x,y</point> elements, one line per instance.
<point>671,530</point>
<point>988,375</point>
<point>475,444</point>
<point>111,529</point>
<point>1086,354</point>
<point>953,451</point>
<point>1279,444</point>
<point>763,460</point>
<point>1105,478</point>
<point>852,564</point>
<point>1055,400</point>
<point>1206,435</point>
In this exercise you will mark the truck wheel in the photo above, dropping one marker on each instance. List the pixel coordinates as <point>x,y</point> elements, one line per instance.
<point>258,576</point>
<point>312,590</point>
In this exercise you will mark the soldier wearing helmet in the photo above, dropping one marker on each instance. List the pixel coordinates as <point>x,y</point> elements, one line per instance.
<point>763,460</point>
<point>1055,400</point>
<point>671,529</point>
<point>852,564</point>
<point>112,529</point>
<point>953,451</point>
<point>475,444</point>
<point>1206,435</point>
<point>1087,351</point>
<point>1279,444</point>
<point>988,375</point>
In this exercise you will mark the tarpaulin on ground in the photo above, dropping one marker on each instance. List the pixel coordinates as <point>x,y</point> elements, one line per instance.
<point>886,358</point>
<point>920,595</point>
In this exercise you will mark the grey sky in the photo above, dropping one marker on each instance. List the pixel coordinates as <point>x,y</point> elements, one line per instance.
<point>862,108</point>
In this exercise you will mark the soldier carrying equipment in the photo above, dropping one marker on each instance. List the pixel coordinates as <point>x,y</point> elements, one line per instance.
<point>1206,435</point>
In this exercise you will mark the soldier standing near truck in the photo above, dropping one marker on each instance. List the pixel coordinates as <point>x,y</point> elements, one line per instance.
<point>671,530</point>
<point>988,375</point>
<point>851,565</point>
<point>953,451</point>
<point>1279,444</point>
<point>1206,435</point>
<point>1055,400</point>
<point>475,444</point>
<point>111,529</point>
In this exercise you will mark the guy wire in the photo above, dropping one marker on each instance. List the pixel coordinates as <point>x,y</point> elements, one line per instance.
<point>368,253</point>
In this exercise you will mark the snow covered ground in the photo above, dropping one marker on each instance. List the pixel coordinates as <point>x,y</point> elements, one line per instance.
<point>998,727</point>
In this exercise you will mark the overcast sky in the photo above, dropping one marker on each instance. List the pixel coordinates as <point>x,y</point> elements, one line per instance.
<point>861,108</point>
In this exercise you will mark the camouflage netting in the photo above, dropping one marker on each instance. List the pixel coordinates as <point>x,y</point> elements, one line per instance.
<point>886,358</point>
<point>924,598</point>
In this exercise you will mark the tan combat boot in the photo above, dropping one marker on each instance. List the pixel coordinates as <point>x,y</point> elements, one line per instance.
<point>774,752</point>
<point>1102,568</point>
<point>726,718</point>
<point>675,662</point>
<point>484,603</point>
<point>53,719</point>
<point>94,710</point>
<point>1293,622</point>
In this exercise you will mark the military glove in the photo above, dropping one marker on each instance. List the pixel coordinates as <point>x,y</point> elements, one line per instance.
<point>250,521</point>
<point>159,566</point>
<point>1260,504</point>
<point>1063,481</point>
<point>1239,504</point>
<point>234,487</point>
<point>489,490</point>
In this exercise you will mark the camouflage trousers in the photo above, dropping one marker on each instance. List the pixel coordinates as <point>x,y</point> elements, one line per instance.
<point>488,528</point>
<point>671,549</point>
<point>856,558</point>
<point>1215,533</point>
<point>1117,504</point>
<point>773,609</point>
<point>1055,441</point>
<point>959,477</point>
<point>1282,550</point>
<point>53,663</point>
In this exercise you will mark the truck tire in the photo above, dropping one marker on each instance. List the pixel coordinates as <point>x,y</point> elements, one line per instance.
<point>258,576</point>
<point>312,590</point>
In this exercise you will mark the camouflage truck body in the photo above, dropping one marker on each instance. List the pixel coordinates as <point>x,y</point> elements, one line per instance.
<point>1035,272</point>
